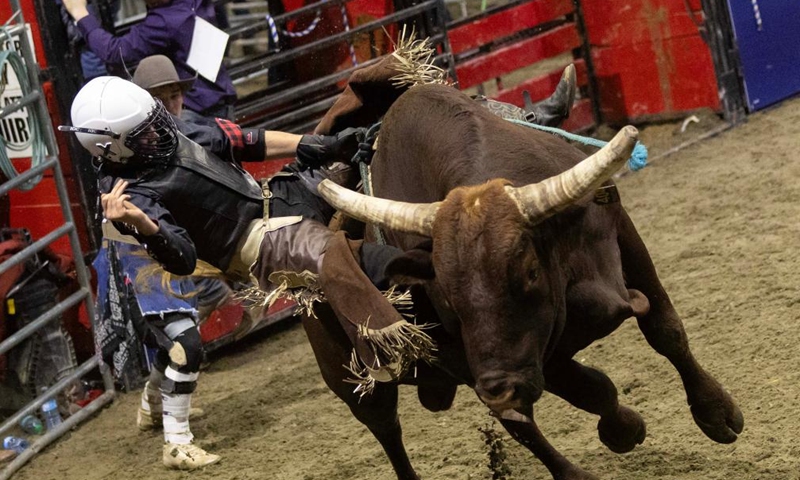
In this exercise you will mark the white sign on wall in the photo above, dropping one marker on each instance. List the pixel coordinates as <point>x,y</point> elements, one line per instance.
<point>14,128</point>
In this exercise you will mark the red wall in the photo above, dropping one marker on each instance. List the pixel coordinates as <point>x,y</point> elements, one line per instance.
<point>649,58</point>
<point>39,210</point>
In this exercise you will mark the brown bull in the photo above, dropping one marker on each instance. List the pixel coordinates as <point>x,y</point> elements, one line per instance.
<point>520,267</point>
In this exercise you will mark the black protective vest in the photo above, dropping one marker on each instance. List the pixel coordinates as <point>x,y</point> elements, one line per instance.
<point>212,199</point>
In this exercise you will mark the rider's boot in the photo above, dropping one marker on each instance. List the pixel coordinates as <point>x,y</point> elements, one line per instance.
<point>552,111</point>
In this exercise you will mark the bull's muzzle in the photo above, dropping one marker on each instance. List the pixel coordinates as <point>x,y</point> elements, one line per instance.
<point>504,391</point>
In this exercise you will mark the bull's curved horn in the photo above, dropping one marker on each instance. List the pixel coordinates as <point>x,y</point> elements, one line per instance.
<point>538,201</point>
<point>401,216</point>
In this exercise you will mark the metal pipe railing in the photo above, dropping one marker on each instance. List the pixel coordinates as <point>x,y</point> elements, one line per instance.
<point>19,104</point>
<point>271,59</point>
<point>35,247</point>
<point>20,335</point>
<point>27,175</point>
<point>56,433</point>
<point>261,25</point>
<point>302,91</point>
<point>51,162</point>
<point>51,392</point>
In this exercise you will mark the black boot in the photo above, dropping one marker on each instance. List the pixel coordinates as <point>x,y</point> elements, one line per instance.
<point>552,111</point>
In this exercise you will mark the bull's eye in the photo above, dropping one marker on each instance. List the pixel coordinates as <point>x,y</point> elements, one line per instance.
<point>533,274</point>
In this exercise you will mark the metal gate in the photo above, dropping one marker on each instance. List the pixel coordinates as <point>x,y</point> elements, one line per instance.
<point>34,100</point>
<point>297,106</point>
<point>484,51</point>
<point>528,43</point>
<point>768,35</point>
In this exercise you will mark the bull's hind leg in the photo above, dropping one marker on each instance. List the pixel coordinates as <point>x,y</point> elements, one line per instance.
<point>378,411</point>
<point>713,409</point>
<point>619,427</point>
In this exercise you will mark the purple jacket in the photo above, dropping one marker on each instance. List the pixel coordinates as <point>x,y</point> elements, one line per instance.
<point>165,30</point>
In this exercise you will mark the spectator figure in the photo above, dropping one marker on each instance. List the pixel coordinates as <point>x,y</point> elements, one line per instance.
<point>157,75</point>
<point>91,65</point>
<point>167,29</point>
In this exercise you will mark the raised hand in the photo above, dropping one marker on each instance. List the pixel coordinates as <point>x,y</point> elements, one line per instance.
<point>118,208</point>
<point>76,8</point>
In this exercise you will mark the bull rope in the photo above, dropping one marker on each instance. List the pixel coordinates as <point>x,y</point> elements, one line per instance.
<point>363,157</point>
<point>638,158</point>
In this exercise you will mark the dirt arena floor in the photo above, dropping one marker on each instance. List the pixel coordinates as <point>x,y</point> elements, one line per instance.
<point>721,221</point>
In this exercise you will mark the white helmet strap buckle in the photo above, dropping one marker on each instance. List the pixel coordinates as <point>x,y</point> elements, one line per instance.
<point>107,152</point>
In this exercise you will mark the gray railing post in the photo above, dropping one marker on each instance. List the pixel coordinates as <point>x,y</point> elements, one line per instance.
<point>37,102</point>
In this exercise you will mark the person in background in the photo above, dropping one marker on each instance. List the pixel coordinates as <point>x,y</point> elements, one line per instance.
<point>167,29</point>
<point>91,65</point>
<point>157,75</point>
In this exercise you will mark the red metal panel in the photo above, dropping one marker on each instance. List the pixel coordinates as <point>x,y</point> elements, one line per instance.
<point>39,211</point>
<point>375,43</point>
<point>518,55</point>
<point>541,86</point>
<point>507,22</point>
<point>651,25</point>
<point>692,75</point>
<point>598,13</point>
<point>649,58</point>
<point>370,9</point>
<point>581,117</point>
<point>663,77</point>
<point>696,5</point>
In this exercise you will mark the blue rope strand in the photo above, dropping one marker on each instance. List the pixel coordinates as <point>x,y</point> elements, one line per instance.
<point>638,158</point>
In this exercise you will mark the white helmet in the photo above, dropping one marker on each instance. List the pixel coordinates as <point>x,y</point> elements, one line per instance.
<point>117,120</point>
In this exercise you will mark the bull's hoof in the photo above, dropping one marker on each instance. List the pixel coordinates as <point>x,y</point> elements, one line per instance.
<point>623,431</point>
<point>718,416</point>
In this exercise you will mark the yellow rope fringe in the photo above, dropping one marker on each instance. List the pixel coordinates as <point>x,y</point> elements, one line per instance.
<point>415,62</point>
<point>304,297</point>
<point>399,344</point>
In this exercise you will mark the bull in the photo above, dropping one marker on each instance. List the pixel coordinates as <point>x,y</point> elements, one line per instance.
<point>516,260</point>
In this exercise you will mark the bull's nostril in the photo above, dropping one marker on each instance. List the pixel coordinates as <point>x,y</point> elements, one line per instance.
<point>503,390</point>
<point>492,387</point>
<point>496,389</point>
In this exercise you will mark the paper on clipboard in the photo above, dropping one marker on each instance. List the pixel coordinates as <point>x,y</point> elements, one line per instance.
<point>207,49</point>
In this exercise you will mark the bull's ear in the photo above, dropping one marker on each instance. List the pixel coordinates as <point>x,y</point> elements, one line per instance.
<point>413,267</point>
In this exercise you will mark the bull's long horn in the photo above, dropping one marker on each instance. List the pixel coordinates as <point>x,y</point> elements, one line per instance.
<point>538,201</point>
<point>401,216</point>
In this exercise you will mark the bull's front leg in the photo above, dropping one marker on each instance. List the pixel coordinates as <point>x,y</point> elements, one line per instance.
<point>713,409</point>
<point>524,430</point>
<point>589,389</point>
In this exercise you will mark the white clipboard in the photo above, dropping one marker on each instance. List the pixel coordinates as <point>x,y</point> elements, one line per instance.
<point>207,49</point>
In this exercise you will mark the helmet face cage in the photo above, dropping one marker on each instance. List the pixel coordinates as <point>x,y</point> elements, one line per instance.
<point>154,140</point>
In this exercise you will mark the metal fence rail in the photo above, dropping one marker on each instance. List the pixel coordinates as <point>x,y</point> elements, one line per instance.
<point>83,294</point>
<point>298,108</point>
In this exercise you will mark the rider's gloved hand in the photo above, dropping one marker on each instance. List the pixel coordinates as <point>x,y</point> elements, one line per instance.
<point>315,151</point>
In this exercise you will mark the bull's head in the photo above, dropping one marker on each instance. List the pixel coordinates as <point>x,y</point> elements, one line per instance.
<point>487,267</point>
